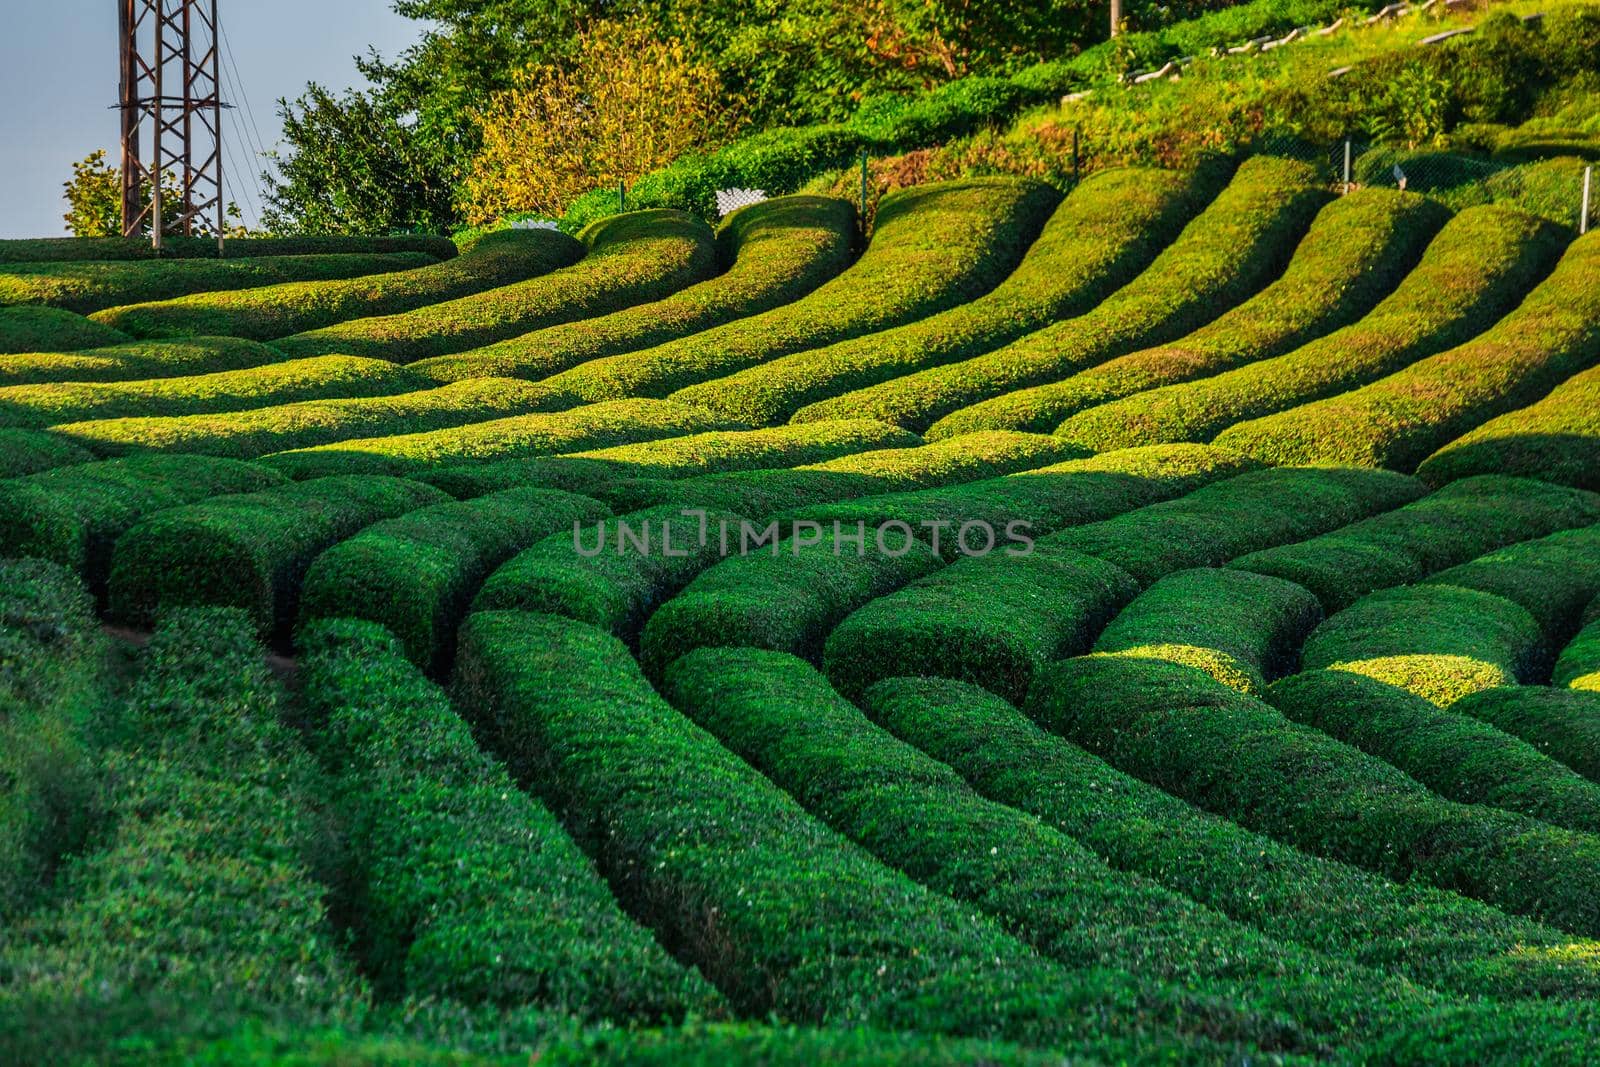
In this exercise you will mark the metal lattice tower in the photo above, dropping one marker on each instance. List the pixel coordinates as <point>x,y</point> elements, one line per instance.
<point>172,90</point>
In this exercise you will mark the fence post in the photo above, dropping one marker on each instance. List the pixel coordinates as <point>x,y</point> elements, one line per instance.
<point>1077,158</point>
<point>863,190</point>
<point>622,195</point>
<point>1583,220</point>
<point>1347,165</point>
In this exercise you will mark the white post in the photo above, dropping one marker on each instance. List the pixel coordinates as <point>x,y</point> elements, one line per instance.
<point>1583,220</point>
<point>1116,16</point>
<point>1347,165</point>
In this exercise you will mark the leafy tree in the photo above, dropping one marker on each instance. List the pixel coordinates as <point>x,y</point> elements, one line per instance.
<point>94,198</point>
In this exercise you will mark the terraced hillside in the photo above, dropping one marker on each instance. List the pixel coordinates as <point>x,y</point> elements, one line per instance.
<point>1155,622</point>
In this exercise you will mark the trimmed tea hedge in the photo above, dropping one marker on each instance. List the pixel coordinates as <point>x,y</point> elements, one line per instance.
<point>787,597</point>
<point>249,551</point>
<point>467,888</point>
<point>90,287</point>
<point>785,916</point>
<point>589,427</point>
<point>1358,249</point>
<point>137,360</point>
<point>1440,642</point>
<point>80,249</point>
<point>1398,421</point>
<point>199,906</point>
<point>73,516</point>
<point>308,304</point>
<point>260,431</point>
<point>1453,525</point>
<point>1105,232</point>
<point>677,457</point>
<point>1556,439</point>
<point>37,329</point>
<point>417,573</point>
<point>768,492</point>
<point>1578,666</point>
<point>603,576</point>
<point>1564,724</point>
<point>1477,269</point>
<point>236,390</point>
<point>1410,928</point>
<point>1211,525</point>
<point>1454,754</point>
<point>1240,628</point>
<point>1554,578</point>
<point>55,709</point>
<point>632,259</point>
<point>991,620</point>
<point>933,247</point>
<point>1236,245</point>
<point>1183,731</point>
<point>24,452</point>
<point>780,250</point>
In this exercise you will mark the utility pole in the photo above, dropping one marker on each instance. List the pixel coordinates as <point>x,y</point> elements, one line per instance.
<point>171,86</point>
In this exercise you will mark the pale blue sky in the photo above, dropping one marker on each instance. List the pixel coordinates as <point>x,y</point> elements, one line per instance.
<point>58,78</point>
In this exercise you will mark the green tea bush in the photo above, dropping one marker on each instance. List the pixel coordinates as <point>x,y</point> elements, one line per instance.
<point>251,550</point>
<point>1476,270</point>
<point>1556,439</point>
<point>1440,642</point>
<point>257,432</point>
<point>787,598</point>
<point>1236,245</point>
<point>1452,525</point>
<point>417,573</point>
<point>299,305</point>
<point>1554,578</point>
<point>933,247</point>
<point>486,439</point>
<point>1240,628</point>
<point>1100,237</point>
<point>1454,754</point>
<point>138,360</point>
<point>780,251</point>
<point>1398,421</point>
<point>1181,730</point>
<point>467,887</point>
<point>39,329</point>
<point>288,382</point>
<point>632,259</point>
<point>1358,248</point>
<point>95,286</point>
<point>1564,724</point>
<point>24,452</point>
<point>74,515</point>
<point>80,249</point>
<point>783,914</point>
<point>1409,928</point>
<point>1578,666</point>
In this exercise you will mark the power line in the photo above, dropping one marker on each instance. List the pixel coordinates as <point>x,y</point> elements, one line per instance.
<point>251,132</point>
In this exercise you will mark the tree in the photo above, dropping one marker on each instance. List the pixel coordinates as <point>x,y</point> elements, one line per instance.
<point>629,103</point>
<point>94,198</point>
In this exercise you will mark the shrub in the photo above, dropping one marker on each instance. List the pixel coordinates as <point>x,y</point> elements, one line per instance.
<point>1553,577</point>
<point>342,377</point>
<point>251,550</point>
<point>1440,642</point>
<point>1215,522</point>
<point>1398,421</point>
<point>70,249</point>
<point>1454,754</point>
<point>933,247</point>
<point>1241,628</point>
<point>73,515</point>
<point>1100,236</point>
<point>299,305</point>
<point>632,259</point>
<point>1476,270</point>
<point>37,329</point>
<point>1556,439</point>
<point>780,250</point>
<point>781,913</point>
<point>468,888</point>
<point>260,431</point>
<point>1453,525</point>
<point>1234,246</point>
<point>694,455</point>
<point>417,573</point>
<point>1564,724</point>
<point>24,452</point>
<point>1410,928</point>
<point>1358,248</point>
<point>138,360</point>
<point>1579,663</point>
<point>95,286</point>
<point>518,436</point>
<point>787,598</point>
<point>1183,731</point>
